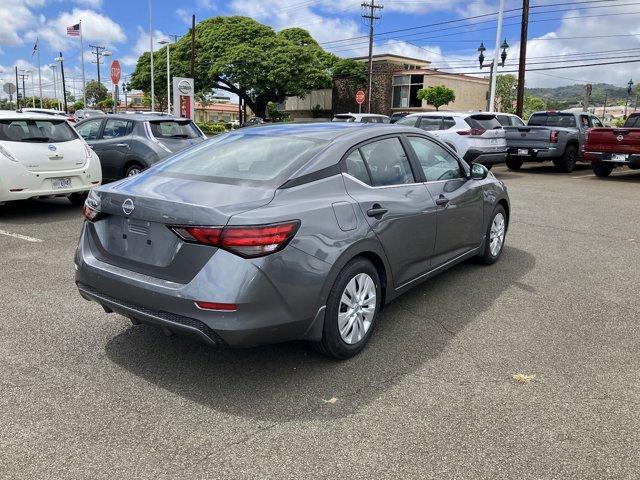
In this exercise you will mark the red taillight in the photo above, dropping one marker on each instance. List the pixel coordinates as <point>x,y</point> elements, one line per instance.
<point>474,132</point>
<point>553,136</point>
<point>245,241</point>
<point>90,214</point>
<point>217,307</point>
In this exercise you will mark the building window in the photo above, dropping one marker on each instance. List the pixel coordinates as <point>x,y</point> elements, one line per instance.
<point>405,91</point>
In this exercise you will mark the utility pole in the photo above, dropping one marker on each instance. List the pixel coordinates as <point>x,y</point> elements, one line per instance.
<point>24,74</point>
<point>604,109</point>
<point>97,51</point>
<point>523,57</point>
<point>17,91</point>
<point>64,86</point>
<point>369,13</point>
<point>193,46</point>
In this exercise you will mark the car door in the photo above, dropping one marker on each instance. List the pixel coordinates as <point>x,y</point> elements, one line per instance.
<point>459,201</point>
<point>395,203</point>
<point>113,147</point>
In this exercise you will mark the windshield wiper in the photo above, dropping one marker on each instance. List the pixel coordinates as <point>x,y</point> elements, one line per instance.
<point>35,139</point>
<point>179,135</point>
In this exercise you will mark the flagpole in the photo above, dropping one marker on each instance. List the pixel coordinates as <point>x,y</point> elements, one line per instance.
<point>39,73</point>
<point>84,82</point>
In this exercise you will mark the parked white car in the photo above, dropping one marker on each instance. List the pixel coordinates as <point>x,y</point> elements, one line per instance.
<point>43,156</point>
<point>477,137</point>
<point>361,118</point>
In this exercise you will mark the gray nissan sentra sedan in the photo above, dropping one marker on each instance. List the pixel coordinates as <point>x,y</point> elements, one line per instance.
<point>287,232</point>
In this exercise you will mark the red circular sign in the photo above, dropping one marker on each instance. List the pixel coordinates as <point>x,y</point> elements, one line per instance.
<point>360,97</point>
<point>115,72</point>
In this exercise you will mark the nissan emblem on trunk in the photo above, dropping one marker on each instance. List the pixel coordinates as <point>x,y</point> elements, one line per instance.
<point>128,207</point>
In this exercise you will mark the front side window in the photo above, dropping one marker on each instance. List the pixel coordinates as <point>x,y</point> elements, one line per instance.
<point>408,121</point>
<point>34,131</point>
<point>387,162</point>
<point>504,120</point>
<point>115,128</point>
<point>595,121</point>
<point>436,162</point>
<point>89,130</point>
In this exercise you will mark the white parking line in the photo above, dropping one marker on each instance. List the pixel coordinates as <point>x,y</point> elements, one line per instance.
<point>21,237</point>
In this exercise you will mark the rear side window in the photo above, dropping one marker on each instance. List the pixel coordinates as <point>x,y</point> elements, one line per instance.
<point>356,168</point>
<point>430,123</point>
<point>244,159</point>
<point>633,122</point>
<point>552,120</point>
<point>34,131</point>
<point>387,162</point>
<point>447,123</point>
<point>484,122</point>
<point>516,122</point>
<point>173,129</point>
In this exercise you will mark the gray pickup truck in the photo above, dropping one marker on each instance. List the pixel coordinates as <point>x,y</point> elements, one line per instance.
<point>555,136</point>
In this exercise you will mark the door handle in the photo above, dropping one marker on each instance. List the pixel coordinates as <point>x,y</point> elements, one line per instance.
<point>125,145</point>
<point>377,211</point>
<point>442,200</point>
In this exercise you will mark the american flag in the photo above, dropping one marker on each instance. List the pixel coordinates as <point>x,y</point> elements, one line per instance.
<point>35,47</point>
<point>74,30</point>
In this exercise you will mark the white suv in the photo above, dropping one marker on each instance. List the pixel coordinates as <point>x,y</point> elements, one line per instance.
<point>43,156</point>
<point>361,118</point>
<point>476,136</point>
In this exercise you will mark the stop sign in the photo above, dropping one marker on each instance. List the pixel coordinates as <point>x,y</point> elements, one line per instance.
<point>360,97</point>
<point>115,72</point>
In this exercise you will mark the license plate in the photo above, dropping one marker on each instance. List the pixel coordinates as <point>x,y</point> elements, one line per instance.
<point>60,183</point>
<point>618,158</point>
<point>523,151</point>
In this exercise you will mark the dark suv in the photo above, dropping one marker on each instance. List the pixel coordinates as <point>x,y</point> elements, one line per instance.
<point>127,144</point>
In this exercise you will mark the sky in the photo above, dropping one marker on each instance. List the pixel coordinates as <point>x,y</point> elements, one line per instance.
<point>445,32</point>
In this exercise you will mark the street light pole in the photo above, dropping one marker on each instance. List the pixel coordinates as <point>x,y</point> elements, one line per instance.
<point>167,42</point>
<point>52,66</point>
<point>64,87</point>
<point>496,56</point>
<point>493,74</point>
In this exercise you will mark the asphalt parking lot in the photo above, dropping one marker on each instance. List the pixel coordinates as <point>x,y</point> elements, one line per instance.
<point>87,395</point>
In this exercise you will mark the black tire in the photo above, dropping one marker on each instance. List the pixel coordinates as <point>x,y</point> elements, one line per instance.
<point>567,162</point>
<point>486,256</point>
<point>514,163</point>
<point>332,343</point>
<point>602,170</point>
<point>77,199</point>
<point>133,167</point>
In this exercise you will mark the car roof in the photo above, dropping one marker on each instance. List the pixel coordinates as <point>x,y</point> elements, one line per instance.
<point>449,114</point>
<point>360,115</point>
<point>140,118</point>
<point>11,114</point>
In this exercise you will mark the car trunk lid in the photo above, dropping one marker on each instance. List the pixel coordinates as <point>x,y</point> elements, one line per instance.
<point>613,140</point>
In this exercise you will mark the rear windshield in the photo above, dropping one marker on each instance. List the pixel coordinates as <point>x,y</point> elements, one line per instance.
<point>552,120</point>
<point>174,129</point>
<point>241,158</point>
<point>343,118</point>
<point>34,131</point>
<point>632,122</point>
<point>484,122</point>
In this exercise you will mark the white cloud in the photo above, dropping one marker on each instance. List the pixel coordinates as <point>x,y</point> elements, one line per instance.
<point>142,45</point>
<point>184,16</point>
<point>206,4</point>
<point>15,16</point>
<point>90,3</point>
<point>96,27</point>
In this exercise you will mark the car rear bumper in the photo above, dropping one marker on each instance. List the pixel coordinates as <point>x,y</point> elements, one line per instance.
<point>534,154</point>
<point>632,160</point>
<point>485,158</point>
<point>273,305</point>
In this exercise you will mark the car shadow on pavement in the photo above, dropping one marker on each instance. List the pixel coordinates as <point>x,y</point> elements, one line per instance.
<point>27,212</point>
<point>629,176</point>
<point>285,382</point>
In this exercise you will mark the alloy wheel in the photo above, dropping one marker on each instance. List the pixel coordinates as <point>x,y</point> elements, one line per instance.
<point>496,235</point>
<point>357,308</point>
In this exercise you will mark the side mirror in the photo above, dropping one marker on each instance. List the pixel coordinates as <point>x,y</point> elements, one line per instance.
<point>479,171</point>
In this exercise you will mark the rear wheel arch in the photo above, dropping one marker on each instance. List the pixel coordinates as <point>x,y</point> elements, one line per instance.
<point>130,163</point>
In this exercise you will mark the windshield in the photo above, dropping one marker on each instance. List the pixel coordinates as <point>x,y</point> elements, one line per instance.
<point>552,119</point>
<point>174,129</point>
<point>50,131</point>
<point>244,158</point>
<point>343,118</point>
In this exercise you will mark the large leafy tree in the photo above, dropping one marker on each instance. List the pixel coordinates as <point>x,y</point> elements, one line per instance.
<point>242,56</point>
<point>506,89</point>
<point>438,95</point>
<point>96,92</point>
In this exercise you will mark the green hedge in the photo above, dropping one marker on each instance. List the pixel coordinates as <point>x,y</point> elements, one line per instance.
<point>210,128</point>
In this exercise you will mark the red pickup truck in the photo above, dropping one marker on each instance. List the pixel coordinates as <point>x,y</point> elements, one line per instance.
<point>608,148</point>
